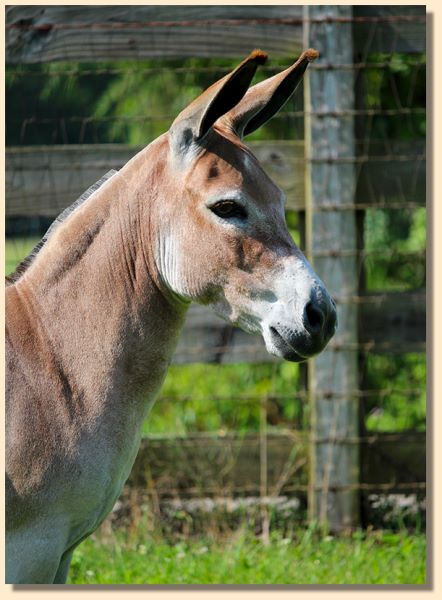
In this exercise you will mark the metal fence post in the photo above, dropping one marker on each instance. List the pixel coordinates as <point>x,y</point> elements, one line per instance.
<point>331,240</point>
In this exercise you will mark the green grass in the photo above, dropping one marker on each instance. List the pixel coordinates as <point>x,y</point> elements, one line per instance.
<point>373,558</point>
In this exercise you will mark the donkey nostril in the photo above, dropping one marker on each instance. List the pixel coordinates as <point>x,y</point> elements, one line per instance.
<point>314,317</point>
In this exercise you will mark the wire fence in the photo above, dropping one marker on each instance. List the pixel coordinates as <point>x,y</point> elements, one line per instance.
<point>72,114</point>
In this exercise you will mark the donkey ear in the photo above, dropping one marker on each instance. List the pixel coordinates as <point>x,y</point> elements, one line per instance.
<point>264,100</point>
<point>196,119</point>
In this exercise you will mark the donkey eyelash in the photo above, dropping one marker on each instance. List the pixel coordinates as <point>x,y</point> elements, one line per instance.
<point>229,209</point>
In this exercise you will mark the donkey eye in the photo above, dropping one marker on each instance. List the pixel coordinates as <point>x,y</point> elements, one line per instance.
<point>228,209</point>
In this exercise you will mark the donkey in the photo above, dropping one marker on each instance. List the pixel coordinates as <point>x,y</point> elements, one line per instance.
<point>94,313</point>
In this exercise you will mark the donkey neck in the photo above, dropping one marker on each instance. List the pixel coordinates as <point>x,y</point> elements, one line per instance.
<point>103,311</point>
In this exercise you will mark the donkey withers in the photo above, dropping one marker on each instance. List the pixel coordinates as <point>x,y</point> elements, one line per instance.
<point>94,313</point>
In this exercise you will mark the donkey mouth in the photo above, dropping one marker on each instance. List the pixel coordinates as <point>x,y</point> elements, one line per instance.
<point>285,349</point>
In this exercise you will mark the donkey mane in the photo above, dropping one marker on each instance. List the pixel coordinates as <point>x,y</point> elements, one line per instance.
<point>26,262</point>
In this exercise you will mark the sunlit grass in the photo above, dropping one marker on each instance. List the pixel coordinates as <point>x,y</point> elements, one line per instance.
<point>375,558</point>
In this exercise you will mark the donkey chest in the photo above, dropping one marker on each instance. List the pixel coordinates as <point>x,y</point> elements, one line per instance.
<point>94,482</point>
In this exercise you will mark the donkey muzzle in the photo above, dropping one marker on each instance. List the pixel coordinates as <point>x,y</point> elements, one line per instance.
<point>305,339</point>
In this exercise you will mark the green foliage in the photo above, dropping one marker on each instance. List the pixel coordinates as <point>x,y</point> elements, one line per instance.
<point>150,88</point>
<point>225,398</point>
<point>50,104</point>
<point>402,404</point>
<point>402,84</point>
<point>305,558</point>
<point>158,95</point>
<point>128,102</point>
<point>395,242</point>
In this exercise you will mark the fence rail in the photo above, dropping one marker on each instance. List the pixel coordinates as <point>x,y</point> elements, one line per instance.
<point>54,33</point>
<point>229,465</point>
<point>43,180</point>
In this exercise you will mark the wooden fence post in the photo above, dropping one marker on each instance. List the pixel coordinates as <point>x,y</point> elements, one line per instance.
<point>331,244</point>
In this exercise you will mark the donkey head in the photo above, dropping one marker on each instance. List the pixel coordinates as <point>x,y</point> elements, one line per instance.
<point>224,241</point>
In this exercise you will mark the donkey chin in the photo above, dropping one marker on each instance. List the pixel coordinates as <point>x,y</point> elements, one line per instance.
<point>295,344</point>
<point>292,339</point>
